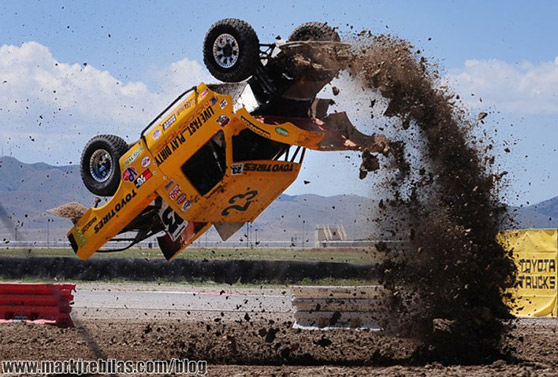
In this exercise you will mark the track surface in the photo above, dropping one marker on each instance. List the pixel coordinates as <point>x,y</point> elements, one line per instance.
<point>152,302</point>
<point>136,323</point>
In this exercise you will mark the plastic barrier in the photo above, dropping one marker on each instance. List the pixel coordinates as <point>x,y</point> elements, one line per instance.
<point>37,303</point>
<point>333,307</point>
<point>535,253</point>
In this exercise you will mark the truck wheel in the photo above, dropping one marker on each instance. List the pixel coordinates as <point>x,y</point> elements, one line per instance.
<point>314,31</point>
<point>100,167</point>
<point>231,50</point>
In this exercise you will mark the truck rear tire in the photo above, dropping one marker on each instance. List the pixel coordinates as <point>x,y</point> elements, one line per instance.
<point>314,31</point>
<point>231,50</point>
<point>100,167</point>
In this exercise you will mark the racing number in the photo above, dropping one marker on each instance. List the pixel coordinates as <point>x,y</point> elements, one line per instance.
<point>248,198</point>
<point>236,169</point>
<point>173,223</point>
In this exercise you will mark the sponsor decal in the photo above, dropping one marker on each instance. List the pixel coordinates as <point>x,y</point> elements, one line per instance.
<point>240,202</point>
<point>223,120</point>
<point>200,120</point>
<point>146,161</point>
<point>80,239</point>
<point>186,206</point>
<point>117,208</point>
<point>213,100</point>
<point>143,178</point>
<point>273,168</point>
<point>168,149</point>
<point>180,139</point>
<point>175,192</point>
<point>223,104</point>
<point>537,282</point>
<point>169,185</point>
<point>281,131</point>
<point>255,128</point>
<point>135,154</point>
<point>236,169</point>
<point>204,93</point>
<point>130,174</point>
<point>185,106</point>
<point>156,134</point>
<point>169,122</point>
<point>181,199</point>
<point>537,273</point>
<point>88,225</point>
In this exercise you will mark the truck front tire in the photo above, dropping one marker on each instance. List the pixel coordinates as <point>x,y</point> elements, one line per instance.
<point>100,167</point>
<point>231,50</point>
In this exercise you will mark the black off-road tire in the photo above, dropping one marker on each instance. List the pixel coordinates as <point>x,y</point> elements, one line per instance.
<point>314,31</point>
<point>237,58</point>
<point>98,180</point>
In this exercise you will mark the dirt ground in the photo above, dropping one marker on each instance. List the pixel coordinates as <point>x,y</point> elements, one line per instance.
<point>272,348</point>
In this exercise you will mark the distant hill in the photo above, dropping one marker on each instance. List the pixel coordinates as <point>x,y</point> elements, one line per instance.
<point>548,207</point>
<point>539,215</point>
<point>28,190</point>
<point>297,216</point>
<point>530,218</point>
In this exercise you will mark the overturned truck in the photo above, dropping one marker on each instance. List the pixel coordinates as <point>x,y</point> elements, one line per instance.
<point>219,154</point>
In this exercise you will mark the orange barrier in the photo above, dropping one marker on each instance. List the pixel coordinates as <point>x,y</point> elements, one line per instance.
<point>37,303</point>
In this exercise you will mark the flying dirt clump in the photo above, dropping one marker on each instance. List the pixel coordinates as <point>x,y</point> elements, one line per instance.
<point>449,277</point>
<point>73,211</point>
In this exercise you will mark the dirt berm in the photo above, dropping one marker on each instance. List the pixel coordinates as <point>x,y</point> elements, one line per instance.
<point>220,271</point>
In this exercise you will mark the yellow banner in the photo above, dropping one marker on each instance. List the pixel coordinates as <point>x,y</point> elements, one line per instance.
<point>535,253</point>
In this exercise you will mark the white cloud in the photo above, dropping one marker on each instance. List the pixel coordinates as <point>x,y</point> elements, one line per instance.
<point>181,75</point>
<point>523,88</point>
<point>49,109</point>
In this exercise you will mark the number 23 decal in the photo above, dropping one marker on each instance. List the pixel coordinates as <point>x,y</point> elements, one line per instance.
<point>236,200</point>
<point>174,224</point>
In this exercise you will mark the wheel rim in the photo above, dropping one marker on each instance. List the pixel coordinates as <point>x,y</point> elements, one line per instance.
<point>226,50</point>
<point>100,165</point>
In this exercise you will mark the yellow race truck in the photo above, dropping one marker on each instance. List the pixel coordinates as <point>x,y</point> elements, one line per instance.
<point>207,160</point>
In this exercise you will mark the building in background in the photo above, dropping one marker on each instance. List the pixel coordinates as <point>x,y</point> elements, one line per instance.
<point>326,233</point>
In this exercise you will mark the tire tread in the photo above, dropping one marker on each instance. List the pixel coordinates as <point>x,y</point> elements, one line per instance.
<point>249,54</point>
<point>117,147</point>
<point>316,31</point>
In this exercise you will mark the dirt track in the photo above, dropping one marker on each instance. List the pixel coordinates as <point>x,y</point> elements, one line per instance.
<point>267,348</point>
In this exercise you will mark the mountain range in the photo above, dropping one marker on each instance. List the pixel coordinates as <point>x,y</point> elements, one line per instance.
<point>27,191</point>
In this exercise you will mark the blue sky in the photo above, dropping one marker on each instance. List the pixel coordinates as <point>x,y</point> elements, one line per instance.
<point>139,54</point>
